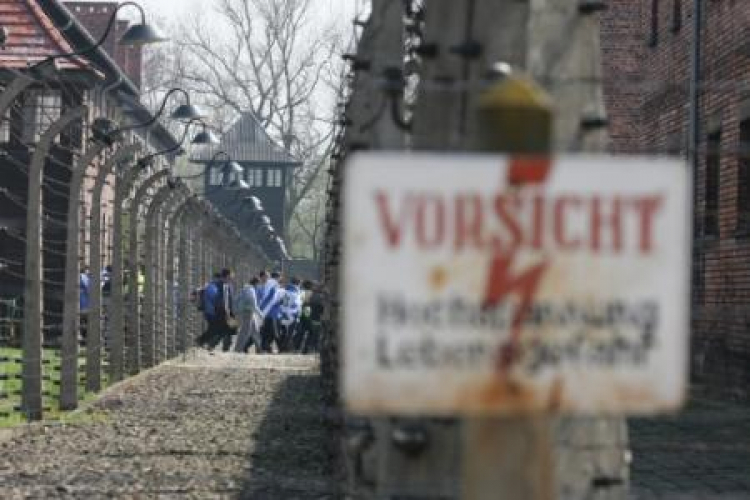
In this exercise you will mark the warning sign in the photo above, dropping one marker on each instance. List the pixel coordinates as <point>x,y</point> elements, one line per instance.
<point>465,292</point>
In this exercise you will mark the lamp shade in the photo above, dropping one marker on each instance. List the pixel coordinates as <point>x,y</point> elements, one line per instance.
<point>142,34</point>
<point>205,137</point>
<point>187,112</point>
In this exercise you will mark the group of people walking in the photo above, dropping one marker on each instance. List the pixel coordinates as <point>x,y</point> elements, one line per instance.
<point>266,312</point>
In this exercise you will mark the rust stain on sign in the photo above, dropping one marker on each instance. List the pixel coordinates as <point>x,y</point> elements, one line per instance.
<point>438,278</point>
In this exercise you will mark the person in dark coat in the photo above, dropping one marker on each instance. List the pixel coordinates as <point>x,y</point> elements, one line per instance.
<point>217,310</point>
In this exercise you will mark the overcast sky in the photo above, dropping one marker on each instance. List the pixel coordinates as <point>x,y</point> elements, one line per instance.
<point>174,9</point>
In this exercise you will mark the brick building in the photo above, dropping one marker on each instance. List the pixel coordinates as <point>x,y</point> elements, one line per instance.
<point>648,70</point>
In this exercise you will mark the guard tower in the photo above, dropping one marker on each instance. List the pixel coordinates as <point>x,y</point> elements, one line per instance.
<point>267,169</point>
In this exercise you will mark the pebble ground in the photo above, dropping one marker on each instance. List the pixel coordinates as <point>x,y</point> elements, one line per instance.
<point>204,427</point>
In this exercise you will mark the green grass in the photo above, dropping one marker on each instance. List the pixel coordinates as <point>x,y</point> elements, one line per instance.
<point>50,369</point>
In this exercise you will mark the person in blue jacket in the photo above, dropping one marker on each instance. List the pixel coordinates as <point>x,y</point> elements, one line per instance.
<point>84,299</point>
<point>217,310</point>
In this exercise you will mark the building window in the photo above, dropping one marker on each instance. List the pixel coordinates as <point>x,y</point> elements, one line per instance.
<point>743,180</point>
<point>255,177</point>
<point>41,109</point>
<point>713,164</point>
<point>653,36</point>
<point>274,177</point>
<point>216,176</point>
<point>676,15</point>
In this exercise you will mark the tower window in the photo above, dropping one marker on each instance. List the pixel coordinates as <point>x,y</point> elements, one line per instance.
<point>255,177</point>
<point>216,177</point>
<point>274,177</point>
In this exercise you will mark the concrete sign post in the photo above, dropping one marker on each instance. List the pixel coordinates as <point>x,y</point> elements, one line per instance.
<point>467,294</point>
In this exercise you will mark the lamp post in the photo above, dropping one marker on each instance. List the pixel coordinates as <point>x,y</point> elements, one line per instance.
<point>183,112</point>
<point>204,137</point>
<point>229,167</point>
<point>137,34</point>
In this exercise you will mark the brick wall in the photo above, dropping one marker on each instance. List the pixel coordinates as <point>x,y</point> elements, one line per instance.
<point>647,68</point>
<point>95,16</point>
<point>622,50</point>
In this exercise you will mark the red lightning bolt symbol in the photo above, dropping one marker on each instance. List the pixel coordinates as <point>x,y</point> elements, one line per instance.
<point>501,283</point>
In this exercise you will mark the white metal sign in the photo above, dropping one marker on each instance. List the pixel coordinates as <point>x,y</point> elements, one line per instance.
<point>466,294</point>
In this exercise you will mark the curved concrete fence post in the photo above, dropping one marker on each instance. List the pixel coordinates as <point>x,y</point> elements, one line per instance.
<point>176,291</point>
<point>199,265</point>
<point>169,291</point>
<point>33,276</point>
<point>71,304</point>
<point>134,319</point>
<point>185,278</point>
<point>150,326</point>
<point>117,302</point>
<point>9,95</point>
<point>160,305</point>
<point>97,312</point>
<point>176,285</point>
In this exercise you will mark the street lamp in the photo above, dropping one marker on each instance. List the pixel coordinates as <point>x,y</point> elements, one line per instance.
<point>137,34</point>
<point>183,112</point>
<point>230,167</point>
<point>205,137</point>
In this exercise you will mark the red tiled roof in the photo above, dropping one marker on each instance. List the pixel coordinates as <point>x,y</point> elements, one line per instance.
<point>32,37</point>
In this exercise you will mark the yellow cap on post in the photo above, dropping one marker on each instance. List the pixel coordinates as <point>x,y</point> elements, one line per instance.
<point>515,116</point>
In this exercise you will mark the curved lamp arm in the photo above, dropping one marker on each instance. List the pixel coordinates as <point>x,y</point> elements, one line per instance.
<point>144,161</point>
<point>92,48</point>
<point>157,114</point>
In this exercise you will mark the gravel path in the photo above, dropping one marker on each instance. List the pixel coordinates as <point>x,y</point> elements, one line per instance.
<point>213,426</point>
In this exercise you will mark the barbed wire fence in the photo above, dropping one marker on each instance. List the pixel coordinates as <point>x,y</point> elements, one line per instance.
<point>57,178</point>
<point>393,91</point>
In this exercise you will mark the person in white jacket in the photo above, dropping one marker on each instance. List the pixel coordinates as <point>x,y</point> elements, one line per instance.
<point>251,317</point>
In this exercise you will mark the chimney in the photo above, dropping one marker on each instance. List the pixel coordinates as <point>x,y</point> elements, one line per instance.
<point>94,16</point>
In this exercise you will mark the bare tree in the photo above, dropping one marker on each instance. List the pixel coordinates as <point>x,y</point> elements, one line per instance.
<point>308,222</point>
<point>271,57</point>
